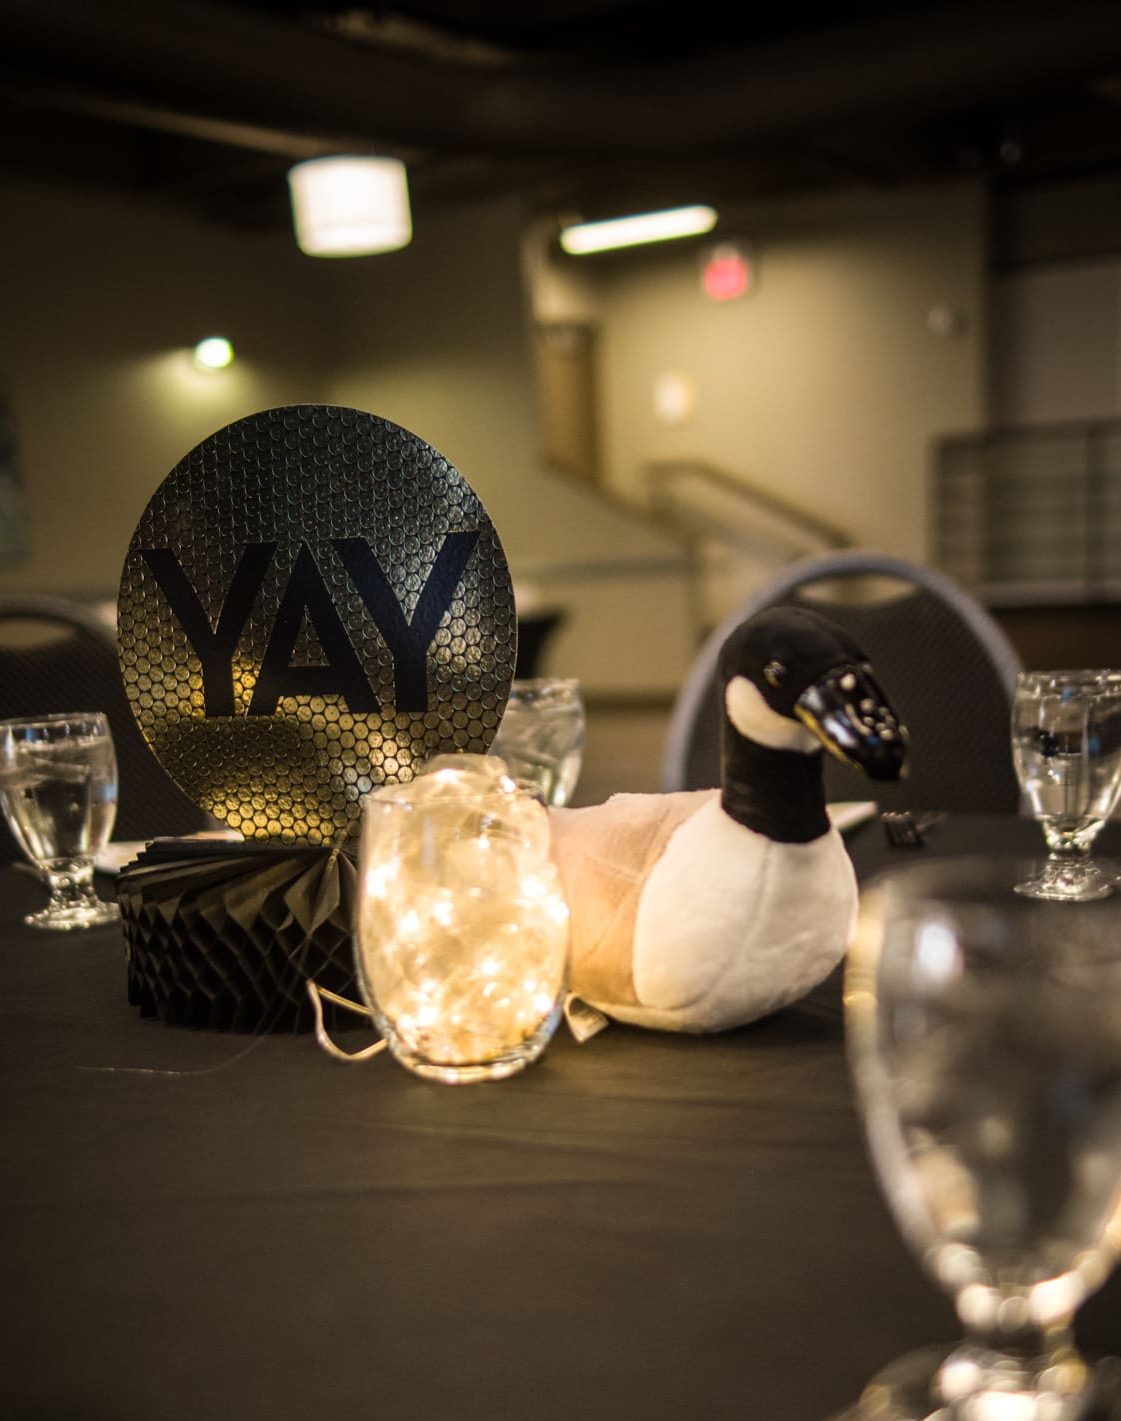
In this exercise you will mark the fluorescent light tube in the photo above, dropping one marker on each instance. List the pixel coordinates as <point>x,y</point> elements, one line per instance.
<point>632,231</point>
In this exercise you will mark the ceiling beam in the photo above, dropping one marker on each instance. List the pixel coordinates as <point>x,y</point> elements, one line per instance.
<point>244,69</point>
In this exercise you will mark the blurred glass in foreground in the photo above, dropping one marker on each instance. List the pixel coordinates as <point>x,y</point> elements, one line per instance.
<point>984,1034</point>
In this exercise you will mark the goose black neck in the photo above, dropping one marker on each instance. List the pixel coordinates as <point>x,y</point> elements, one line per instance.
<point>779,793</point>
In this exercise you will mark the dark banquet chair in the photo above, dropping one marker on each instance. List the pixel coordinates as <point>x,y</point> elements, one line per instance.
<point>57,655</point>
<point>535,631</point>
<point>946,665</point>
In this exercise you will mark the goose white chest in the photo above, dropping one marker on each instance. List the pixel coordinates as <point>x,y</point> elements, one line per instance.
<point>731,925</point>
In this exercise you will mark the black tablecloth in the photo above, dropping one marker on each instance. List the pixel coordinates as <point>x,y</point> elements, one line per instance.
<point>646,1226</point>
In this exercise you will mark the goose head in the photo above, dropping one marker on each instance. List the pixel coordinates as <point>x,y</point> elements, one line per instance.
<point>794,681</point>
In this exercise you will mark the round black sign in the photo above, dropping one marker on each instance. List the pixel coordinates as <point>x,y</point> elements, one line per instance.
<point>314,602</point>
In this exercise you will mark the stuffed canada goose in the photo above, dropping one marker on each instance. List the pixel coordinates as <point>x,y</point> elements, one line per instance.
<point>703,910</point>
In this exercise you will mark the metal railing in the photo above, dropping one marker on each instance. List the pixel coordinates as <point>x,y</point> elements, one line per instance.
<point>737,536</point>
<point>699,500</point>
<point>719,529</point>
<point>1031,515</point>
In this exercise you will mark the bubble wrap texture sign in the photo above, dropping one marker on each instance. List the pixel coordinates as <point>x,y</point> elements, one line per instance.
<point>314,603</point>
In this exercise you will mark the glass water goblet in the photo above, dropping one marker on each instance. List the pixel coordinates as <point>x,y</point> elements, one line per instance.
<point>58,793</point>
<point>1066,745</point>
<point>541,736</point>
<point>984,1036</point>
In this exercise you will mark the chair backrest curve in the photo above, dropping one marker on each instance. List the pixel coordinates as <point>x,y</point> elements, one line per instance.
<point>71,665</point>
<point>942,658</point>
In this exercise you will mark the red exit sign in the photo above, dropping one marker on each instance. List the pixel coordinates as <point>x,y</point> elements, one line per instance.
<point>728,272</point>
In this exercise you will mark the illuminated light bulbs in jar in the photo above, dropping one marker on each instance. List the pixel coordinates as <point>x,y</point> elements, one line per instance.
<point>462,941</point>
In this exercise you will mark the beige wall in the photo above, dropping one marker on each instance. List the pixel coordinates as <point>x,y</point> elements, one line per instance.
<point>101,299</point>
<point>1057,342</point>
<point>438,339</point>
<point>826,385</point>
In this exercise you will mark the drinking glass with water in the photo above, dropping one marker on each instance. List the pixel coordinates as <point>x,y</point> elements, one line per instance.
<point>58,793</point>
<point>1066,744</point>
<point>985,1039</point>
<point>541,736</point>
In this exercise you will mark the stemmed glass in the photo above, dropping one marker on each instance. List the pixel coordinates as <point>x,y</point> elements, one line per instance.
<point>58,792</point>
<point>541,736</point>
<point>984,1034</point>
<point>1066,744</point>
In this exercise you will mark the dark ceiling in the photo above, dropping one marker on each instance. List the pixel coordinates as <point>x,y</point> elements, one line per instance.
<point>592,106</point>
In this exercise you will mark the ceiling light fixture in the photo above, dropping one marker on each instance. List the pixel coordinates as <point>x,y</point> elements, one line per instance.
<point>588,237</point>
<point>213,353</point>
<point>350,206</point>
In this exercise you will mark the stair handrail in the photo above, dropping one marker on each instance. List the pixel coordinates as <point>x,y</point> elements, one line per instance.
<point>662,473</point>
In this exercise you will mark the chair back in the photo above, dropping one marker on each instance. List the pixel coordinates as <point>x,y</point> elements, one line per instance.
<point>56,656</point>
<point>945,664</point>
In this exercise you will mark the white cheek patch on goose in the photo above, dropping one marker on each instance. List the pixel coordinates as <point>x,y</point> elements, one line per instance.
<point>755,720</point>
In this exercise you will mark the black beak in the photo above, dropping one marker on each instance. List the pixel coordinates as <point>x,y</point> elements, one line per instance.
<point>849,713</point>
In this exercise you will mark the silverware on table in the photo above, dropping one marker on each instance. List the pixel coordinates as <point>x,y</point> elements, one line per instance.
<point>904,829</point>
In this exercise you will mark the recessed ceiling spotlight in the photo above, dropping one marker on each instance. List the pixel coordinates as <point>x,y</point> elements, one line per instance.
<point>587,237</point>
<point>213,353</point>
